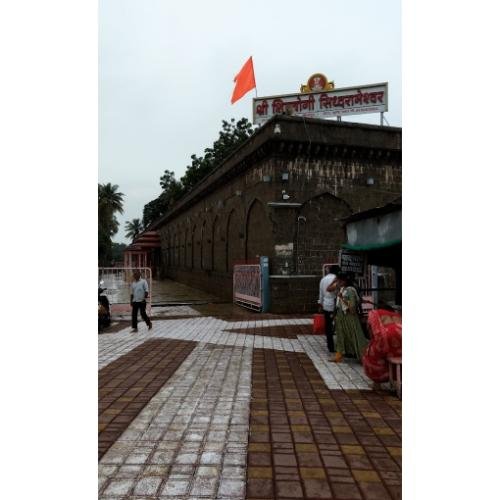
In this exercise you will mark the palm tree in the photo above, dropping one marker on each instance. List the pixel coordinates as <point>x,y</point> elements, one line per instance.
<point>109,198</point>
<point>133,228</point>
<point>110,201</point>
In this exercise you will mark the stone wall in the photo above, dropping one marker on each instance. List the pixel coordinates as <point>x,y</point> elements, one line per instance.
<point>294,294</point>
<point>285,200</point>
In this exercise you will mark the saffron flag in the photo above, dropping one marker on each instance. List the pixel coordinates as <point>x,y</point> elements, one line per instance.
<point>245,81</point>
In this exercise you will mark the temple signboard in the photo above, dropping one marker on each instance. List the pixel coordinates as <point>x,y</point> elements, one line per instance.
<point>324,103</point>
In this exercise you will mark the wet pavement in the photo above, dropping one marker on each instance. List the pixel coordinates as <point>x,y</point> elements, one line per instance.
<point>220,402</point>
<point>164,292</point>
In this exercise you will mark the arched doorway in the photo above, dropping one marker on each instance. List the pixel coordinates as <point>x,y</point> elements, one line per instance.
<point>235,250</point>
<point>259,230</point>
<point>319,231</point>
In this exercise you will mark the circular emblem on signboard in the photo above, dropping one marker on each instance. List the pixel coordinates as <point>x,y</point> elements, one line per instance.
<point>317,82</point>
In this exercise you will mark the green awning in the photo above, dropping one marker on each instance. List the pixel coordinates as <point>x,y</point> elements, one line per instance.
<point>372,246</point>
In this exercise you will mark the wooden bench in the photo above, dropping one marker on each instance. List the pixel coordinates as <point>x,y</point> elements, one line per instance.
<point>395,367</point>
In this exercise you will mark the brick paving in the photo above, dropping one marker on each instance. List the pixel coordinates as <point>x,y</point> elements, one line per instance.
<point>281,331</point>
<point>191,439</point>
<point>253,409</point>
<point>310,442</point>
<point>127,384</point>
<point>115,326</point>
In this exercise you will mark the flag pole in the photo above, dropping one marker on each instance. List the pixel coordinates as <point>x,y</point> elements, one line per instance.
<point>253,69</point>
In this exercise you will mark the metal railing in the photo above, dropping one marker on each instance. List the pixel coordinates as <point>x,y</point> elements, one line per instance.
<point>117,281</point>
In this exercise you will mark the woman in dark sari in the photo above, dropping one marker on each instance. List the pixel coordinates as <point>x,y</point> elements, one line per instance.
<point>350,338</point>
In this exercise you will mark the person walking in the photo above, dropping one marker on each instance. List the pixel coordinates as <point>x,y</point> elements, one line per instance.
<point>326,303</point>
<point>139,292</point>
<point>350,338</point>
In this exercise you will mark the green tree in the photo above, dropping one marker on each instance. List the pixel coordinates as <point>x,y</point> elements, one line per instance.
<point>155,209</point>
<point>110,202</point>
<point>133,228</point>
<point>117,250</point>
<point>232,135</point>
<point>172,191</point>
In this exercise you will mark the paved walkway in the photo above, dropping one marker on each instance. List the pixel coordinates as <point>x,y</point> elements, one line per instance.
<point>218,402</point>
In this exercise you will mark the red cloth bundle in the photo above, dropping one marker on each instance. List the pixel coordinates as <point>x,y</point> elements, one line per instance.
<point>386,341</point>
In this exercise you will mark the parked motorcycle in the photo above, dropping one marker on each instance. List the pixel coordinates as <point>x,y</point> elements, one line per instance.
<point>103,310</point>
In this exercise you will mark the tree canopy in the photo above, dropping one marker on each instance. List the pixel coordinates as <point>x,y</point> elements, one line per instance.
<point>117,250</point>
<point>233,134</point>
<point>133,228</point>
<point>110,201</point>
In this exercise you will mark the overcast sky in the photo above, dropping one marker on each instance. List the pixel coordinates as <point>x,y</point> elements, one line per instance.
<point>166,73</point>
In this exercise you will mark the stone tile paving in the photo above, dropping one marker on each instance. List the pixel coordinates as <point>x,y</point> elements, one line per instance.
<point>127,384</point>
<point>191,439</point>
<point>183,311</point>
<point>112,346</point>
<point>115,326</point>
<point>213,330</point>
<point>208,329</point>
<point>284,331</point>
<point>347,375</point>
<point>309,442</point>
<point>314,439</point>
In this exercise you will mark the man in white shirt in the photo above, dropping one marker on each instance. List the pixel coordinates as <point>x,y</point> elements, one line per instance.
<point>139,292</point>
<point>326,303</point>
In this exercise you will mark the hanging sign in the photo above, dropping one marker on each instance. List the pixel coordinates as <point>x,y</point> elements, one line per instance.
<point>352,262</point>
<point>324,103</point>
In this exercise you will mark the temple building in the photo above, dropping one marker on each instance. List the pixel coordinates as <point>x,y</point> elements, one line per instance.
<point>144,251</point>
<point>285,193</point>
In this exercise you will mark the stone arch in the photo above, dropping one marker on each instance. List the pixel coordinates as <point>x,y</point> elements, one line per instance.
<point>171,247</point>
<point>218,245</point>
<point>207,246</point>
<point>197,247</point>
<point>186,241</point>
<point>176,247</point>
<point>191,253</point>
<point>178,233</point>
<point>203,245</point>
<point>259,229</point>
<point>165,249</point>
<point>235,250</point>
<point>319,232</point>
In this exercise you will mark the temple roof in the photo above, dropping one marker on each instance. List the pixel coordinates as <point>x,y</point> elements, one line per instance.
<point>292,136</point>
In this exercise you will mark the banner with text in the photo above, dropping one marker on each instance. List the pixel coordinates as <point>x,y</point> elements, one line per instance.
<point>352,262</point>
<point>338,102</point>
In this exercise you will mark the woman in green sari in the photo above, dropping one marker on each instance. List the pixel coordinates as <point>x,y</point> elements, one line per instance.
<point>350,338</point>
